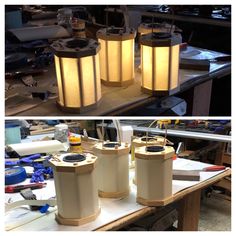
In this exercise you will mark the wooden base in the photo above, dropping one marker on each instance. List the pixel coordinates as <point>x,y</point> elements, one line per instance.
<point>76,222</point>
<point>160,92</point>
<point>112,194</point>
<point>147,202</point>
<point>117,84</point>
<point>77,109</point>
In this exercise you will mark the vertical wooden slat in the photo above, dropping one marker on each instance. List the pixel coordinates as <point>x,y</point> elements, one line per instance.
<point>153,68</point>
<point>106,60</point>
<point>62,81</point>
<point>80,80</point>
<point>95,78</point>
<point>169,68</point>
<point>121,71</point>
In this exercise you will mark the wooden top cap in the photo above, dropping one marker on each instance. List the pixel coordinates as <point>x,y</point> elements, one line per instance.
<point>116,34</point>
<point>75,48</point>
<point>111,148</point>
<point>73,162</point>
<point>141,141</point>
<point>142,153</point>
<point>160,39</point>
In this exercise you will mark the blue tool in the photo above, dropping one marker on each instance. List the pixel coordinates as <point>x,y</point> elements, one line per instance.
<point>23,161</point>
<point>15,175</point>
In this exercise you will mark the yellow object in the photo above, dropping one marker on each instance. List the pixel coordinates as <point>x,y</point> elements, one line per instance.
<point>78,75</point>
<point>163,123</point>
<point>160,63</point>
<point>116,56</point>
<point>75,144</point>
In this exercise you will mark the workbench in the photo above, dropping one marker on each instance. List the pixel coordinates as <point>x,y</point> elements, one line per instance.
<point>117,213</point>
<point>118,101</point>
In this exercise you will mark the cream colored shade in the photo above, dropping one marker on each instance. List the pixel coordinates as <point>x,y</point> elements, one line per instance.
<point>160,67</point>
<point>78,81</point>
<point>117,60</point>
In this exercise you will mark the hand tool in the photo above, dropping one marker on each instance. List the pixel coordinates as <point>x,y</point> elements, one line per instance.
<point>18,188</point>
<point>212,168</point>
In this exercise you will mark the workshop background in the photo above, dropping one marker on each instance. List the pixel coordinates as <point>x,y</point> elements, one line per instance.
<point>31,33</point>
<point>194,141</point>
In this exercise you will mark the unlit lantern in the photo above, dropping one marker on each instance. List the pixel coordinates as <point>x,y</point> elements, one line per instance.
<point>75,178</point>
<point>154,175</point>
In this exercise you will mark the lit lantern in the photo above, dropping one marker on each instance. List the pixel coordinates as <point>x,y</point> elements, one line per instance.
<point>160,63</point>
<point>75,178</point>
<point>113,169</point>
<point>147,28</point>
<point>117,56</point>
<point>154,175</point>
<point>78,74</point>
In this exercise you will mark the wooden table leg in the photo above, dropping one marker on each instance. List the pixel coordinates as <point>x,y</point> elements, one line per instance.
<point>202,99</point>
<point>188,211</point>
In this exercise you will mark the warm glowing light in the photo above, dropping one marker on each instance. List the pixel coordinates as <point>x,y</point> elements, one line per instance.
<point>160,63</point>
<point>78,74</point>
<point>116,56</point>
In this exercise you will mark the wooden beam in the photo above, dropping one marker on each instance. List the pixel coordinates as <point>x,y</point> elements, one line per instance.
<point>188,211</point>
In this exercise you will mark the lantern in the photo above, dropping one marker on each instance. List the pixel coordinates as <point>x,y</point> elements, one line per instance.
<point>154,174</point>
<point>143,141</point>
<point>113,169</point>
<point>160,63</point>
<point>117,56</point>
<point>75,178</point>
<point>78,75</point>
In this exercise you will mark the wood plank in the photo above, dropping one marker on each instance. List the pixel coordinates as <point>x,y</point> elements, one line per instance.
<point>189,210</point>
<point>201,185</point>
<point>190,175</point>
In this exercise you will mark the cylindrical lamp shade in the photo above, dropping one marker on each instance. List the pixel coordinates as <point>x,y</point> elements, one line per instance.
<point>160,63</point>
<point>117,56</point>
<point>154,175</point>
<point>78,74</point>
<point>113,169</point>
<point>143,141</point>
<point>75,178</point>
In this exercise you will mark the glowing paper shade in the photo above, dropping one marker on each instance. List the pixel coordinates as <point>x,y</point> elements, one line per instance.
<point>78,75</point>
<point>117,56</point>
<point>160,63</point>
